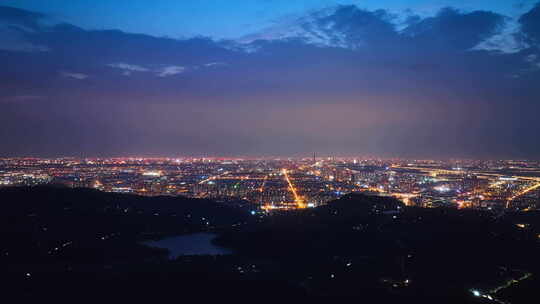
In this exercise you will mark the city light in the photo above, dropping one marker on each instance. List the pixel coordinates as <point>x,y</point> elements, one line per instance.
<point>288,184</point>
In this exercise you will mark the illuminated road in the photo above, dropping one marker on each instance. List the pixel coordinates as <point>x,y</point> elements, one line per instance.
<point>261,189</point>
<point>490,294</point>
<point>212,178</point>
<point>435,172</point>
<point>522,192</point>
<point>297,199</point>
<point>431,171</point>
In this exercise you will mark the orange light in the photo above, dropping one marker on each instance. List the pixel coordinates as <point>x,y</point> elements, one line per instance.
<point>297,199</point>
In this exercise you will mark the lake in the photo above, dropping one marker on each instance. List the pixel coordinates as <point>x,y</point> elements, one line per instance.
<point>190,244</point>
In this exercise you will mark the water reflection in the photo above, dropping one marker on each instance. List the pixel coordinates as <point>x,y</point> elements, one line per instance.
<point>191,244</point>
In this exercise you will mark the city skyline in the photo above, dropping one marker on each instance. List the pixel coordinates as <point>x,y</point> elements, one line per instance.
<point>269,184</point>
<point>174,149</point>
<point>420,79</point>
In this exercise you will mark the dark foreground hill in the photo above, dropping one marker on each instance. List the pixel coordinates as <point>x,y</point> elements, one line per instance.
<point>373,247</point>
<point>41,223</point>
<point>69,244</point>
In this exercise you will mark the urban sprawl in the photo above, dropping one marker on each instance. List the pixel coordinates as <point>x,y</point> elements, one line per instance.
<point>288,183</point>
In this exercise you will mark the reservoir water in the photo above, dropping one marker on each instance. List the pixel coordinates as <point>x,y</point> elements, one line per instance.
<point>190,244</point>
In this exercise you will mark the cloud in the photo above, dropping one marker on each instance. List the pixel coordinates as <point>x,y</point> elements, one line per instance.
<point>78,76</point>
<point>344,26</point>
<point>506,41</point>
<point>350,27</point>
<point>452,29</point>
<point>161,72</point>
<point>530,25</point>
<point>128,68</point>
<point>170,70</point>
<point>395,89</point>
<point>28,19</point>
<point>14,40</point>
<point>213,64</point>
<point>17,29</point>
<point>532,59</point>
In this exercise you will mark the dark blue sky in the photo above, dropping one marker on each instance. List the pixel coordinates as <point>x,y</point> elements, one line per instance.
<point>226,18</point>
<point>390,78</point>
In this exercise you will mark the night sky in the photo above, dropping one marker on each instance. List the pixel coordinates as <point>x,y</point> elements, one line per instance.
<point>395,78</point>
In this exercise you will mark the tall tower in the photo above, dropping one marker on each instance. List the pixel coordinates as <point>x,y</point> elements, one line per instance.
<point>314,160</point>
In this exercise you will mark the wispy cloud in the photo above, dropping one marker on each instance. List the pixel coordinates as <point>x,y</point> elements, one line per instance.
<point>213,64</point>
<point>164,71</point>
<point>128,68</point>
<point>170,70</point>
<point>531,58</point>
<point>14,40</point>
<point>505,41</point>
<point>78,76</point>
